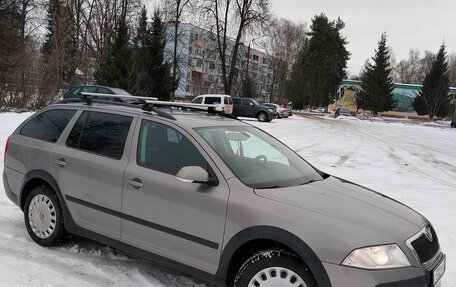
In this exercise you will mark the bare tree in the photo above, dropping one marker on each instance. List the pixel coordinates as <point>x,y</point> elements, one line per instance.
<point>414,69</point>
<point>174,10</point>
<point>452,69</point>
<point>285,39</point>
<point>19,20</point>
<point>233,18</point>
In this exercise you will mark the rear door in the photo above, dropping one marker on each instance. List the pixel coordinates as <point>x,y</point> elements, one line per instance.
<point>228,103</point>
<point>179,220</point>
<point>31,146</point>
<point>89,166</point>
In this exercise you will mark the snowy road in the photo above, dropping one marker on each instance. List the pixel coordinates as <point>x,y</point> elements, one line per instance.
<point>414,164</point>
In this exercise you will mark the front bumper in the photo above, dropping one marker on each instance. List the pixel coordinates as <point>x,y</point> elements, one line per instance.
<point>342,276</point>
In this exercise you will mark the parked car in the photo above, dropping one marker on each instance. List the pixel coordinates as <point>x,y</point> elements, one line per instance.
<point>453,123</point>
<point>247,107</point>
<point>224,102</point>
<point>218,199</point>
<point>342,112</point>
<point>281,112</point>
<point>73,92</point>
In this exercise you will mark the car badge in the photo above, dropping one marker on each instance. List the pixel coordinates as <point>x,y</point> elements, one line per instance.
<point>428,233</point>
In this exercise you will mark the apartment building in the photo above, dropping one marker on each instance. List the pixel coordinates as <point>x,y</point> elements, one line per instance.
<point>200,68</point>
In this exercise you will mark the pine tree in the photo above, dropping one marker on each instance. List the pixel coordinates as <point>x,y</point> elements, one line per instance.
<point>141,56</point>
<point>158,69</point>
<point>377,87</point>
<point>296,85</point>
<point>117,71</point>
<point>323,66</point>
<point>434,99</point>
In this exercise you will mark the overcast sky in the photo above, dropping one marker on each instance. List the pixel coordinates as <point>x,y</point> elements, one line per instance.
<point>418,24</point>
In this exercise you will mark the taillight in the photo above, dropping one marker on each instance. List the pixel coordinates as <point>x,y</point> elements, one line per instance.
<point>6,148</point>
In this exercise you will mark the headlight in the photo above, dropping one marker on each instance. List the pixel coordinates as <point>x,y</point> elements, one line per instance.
<point>377,257</point>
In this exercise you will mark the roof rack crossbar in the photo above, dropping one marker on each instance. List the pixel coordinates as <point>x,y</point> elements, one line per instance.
<point>147,104</point>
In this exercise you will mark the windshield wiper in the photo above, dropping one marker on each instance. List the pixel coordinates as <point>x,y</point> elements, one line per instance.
<point>269,187</point>
<point>310,181</point>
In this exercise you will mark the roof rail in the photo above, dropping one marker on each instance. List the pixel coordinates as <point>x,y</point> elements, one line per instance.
<point>145,107</point>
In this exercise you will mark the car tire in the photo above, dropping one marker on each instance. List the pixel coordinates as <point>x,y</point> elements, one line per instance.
<point>43,217</point>
<point>274,267</point>
<point>262,117</point>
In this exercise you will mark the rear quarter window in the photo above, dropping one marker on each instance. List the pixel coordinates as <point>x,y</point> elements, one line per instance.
<point>49,125</point>
<point>237,101</point>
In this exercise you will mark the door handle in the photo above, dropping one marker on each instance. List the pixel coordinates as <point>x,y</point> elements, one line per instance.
<point>136,183</point>
<point>60,162</point>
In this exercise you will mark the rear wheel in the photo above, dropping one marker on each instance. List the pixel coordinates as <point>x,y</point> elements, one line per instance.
<point>262,117</point>
<point>276,268</point>
<point>43,217</point>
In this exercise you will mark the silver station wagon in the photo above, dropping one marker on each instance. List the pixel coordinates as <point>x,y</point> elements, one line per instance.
<point>211,196</point>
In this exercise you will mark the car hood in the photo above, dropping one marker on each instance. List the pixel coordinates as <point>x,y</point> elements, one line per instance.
<point>382,218</point>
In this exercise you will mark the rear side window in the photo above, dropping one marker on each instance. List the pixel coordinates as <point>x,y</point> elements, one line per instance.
<point>101,133</point>
<point>165,149</point>
<point>48,126</point>
<point>212,100</point>
<point>237,101</point>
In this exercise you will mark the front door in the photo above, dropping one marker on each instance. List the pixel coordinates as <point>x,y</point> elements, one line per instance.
<point>179,220</point>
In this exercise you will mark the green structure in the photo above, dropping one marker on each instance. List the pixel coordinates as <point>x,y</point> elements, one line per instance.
<point>403,93</point>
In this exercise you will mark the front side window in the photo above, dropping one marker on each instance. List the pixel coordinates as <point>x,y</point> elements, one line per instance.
<point>257,159</point>
<point>165,149</point>
<point>198,100</point>
<point>49,125</point>
<point>101,133</point>
<point>246,102</point>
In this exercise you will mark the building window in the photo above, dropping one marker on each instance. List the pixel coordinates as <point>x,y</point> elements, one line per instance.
<point>255,57</point>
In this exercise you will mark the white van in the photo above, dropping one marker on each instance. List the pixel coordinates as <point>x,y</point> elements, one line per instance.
<point>224,102</point>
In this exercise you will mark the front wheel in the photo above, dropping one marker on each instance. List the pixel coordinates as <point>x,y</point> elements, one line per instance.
<point>43,217</point>
<point>276,268</point>
<point>262,117</point>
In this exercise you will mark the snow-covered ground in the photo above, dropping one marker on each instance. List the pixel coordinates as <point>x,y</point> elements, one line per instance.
<point>414,164</point>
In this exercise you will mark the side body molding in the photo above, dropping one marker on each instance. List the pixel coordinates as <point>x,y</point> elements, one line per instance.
<point>279,235</point>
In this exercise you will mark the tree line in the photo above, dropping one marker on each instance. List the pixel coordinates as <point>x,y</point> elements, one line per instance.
<point>115,43</point>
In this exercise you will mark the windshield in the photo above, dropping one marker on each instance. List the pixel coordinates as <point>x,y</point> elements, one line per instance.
<point>257,159</point>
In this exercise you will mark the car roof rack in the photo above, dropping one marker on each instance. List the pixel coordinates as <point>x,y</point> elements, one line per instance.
<point>147,104</point>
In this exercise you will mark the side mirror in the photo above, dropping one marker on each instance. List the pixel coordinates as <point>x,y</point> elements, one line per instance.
<point>192,174</point>
<point>251,104</point>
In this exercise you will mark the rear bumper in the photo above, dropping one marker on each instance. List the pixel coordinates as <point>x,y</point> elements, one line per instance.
<point>342,276</point>
<point>9,193</point>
